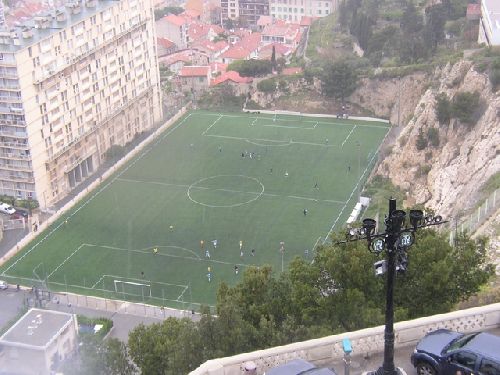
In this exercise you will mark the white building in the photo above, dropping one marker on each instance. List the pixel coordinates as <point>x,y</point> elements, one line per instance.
<point>37,342</point>
<point>74,82</point>
<point>489,24</point>
<point>294,10</point>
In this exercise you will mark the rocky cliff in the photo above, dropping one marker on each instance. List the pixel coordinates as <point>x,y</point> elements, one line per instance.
<point>447,178</point>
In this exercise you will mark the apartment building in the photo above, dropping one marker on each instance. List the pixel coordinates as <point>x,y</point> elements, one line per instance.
<point>247,12</point>
<point>294,10</point>
<point>74,82</point>
<point>489,24</point>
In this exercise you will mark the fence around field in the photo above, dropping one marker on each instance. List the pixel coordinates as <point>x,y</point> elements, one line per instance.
<point>93,186</point>
<point>295,113</point>
<point>470,223</point>
<point>364,342</point>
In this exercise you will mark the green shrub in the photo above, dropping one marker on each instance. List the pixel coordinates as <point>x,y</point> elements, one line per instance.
<point>421,142</point>
<point>443,108</point>
<point>267,85</point>
<point>251,68</point>
<point>465,107</point>
<point>433,137</point>
<point>107,324</point>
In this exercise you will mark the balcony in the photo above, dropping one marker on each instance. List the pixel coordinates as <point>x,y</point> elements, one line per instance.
<point>14,86</point>
<point>13,134</point>
<point>16,123</point>
<point>17,145</point>
<point>14,156</point>
<point>11,167</point>
<point>14,178</point>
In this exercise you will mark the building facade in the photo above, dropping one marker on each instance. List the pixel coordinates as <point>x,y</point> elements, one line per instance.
<point>38,342</point>
<point>294,10</point>
<point>174,28</point>
<point>247,12</point>
<point>73,83</point>
<point>489,24</point>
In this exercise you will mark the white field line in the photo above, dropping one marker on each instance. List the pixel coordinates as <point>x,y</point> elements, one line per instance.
<point>348,135</point>
<point>182,294</point>
<point>354,189</point>
<point>232,191</point>
<point>65,260</point>
<point>254,121</point>
<point>148,149</point>
<point>213,123</point>
<point>280,143</point>
<point>288,127</point>
<point>294,120</point>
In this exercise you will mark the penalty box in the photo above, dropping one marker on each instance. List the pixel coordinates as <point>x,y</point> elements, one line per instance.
<point>132,273</point>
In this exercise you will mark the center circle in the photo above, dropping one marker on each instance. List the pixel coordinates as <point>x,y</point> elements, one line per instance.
<point>225,191</point>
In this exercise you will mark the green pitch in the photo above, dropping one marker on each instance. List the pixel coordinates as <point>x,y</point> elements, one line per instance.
<point>259,179</point>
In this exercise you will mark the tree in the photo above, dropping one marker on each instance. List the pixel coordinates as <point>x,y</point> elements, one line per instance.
<point>107,357</point>
<point>421,142</point>
<point>251,68</point>
<point>443,108</point>
<point>170,347</point>
<point>339,80</point>
<point>273,58</point>
<point>465,107</point>
<point>434,27</point>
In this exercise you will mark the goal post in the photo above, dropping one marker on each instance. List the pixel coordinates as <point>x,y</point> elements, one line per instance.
<point>132,288</point>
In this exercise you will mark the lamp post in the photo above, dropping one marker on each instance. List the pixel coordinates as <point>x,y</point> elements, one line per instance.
<point>394,242</point>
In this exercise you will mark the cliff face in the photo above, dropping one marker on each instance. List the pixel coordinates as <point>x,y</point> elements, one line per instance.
<point>448,177</point>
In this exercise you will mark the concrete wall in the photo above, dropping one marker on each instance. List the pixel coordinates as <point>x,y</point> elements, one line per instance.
<point>369,341</point>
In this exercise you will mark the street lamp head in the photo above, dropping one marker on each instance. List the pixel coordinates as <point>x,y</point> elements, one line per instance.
<point>369,226</point>
<point>416,217</point>
<point>397,219</point>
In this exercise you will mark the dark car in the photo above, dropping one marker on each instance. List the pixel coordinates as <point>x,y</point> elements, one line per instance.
<point>19,214</point>
<point>445,352</point>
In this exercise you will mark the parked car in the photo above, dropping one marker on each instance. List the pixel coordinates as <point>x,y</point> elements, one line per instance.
<point>19,214</point>
<point>299,367</point>
<point>444,352</point>
<point>6,209</point>
<point>3,285</point>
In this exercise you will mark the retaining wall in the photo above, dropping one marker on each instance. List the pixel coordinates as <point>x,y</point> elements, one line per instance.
<point>367,341</point>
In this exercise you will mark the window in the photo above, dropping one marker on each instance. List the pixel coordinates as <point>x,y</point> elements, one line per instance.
<point>465,359</point>
<point>489,367</point>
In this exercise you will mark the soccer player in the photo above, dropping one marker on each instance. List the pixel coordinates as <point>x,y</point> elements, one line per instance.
<point>209,275</point>
<point>316,186</point>
<point>305,211</point>
<point>202,243</point>
<point>326,141</point>
<point>155,251</point>
<point>171,228</point>
<point>207,254</point>
<point>253,252</point>
<point>236,270</point>
<point>241,244</point>
<point>214,242</point>
<point>286,173</point>
<point>220,148</point>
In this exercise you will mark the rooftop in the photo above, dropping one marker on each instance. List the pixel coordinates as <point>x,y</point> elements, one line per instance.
<point>194,71</point>
<point>231,76</point>
<point>54,26</point>
<point>36,328</point>
<point>176,20</point>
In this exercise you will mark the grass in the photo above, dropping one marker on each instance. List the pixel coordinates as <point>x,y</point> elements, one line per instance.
<point>192,184</point>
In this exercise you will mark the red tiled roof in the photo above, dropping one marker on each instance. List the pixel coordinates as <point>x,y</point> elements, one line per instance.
<point>165,43</point>
<point>194,71</point>
<point>183,56</point>
<point>207,45</point>
<point>236,52</point>
<point>176,20</point>
<point>474,9</point>
<point>291,71</point>
<point>278,47</point>
<point>264,20</point>
<point>306,21</point>
<point>216,67</point>
<point>192,13</point>
<point>250,42</point>
<point>231,76</point>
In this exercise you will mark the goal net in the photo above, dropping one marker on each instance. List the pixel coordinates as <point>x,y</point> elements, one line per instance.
<point>132,288</point>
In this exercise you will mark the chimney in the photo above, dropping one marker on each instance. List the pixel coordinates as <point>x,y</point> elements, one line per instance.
<point>27,32</point>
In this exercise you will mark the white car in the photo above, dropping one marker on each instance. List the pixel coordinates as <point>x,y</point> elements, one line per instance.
<point>6,209</point>
<point>3,285</point>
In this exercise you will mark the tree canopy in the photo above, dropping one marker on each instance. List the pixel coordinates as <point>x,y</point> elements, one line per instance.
<point>339,80</point>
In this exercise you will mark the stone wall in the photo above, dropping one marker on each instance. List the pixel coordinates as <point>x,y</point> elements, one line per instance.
<point>367,341</point>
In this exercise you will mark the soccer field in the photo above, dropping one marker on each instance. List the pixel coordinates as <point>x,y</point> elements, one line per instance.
<point>267,181</point>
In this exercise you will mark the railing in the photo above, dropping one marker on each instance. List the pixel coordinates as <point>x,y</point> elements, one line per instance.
<point>367,341</point>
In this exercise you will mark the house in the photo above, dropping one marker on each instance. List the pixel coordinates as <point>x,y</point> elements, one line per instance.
<point>165,46</point>
<point>264,21</point>
<point>176,61</point>
<point>211,49</point>
<point>173,28</point>
<point>489,24</point>
<point>195,79</point>
<point>38,342</point>
<point>280,50</point>
<point>473,12</point>
<point>240,85</point>
<point>199,31</point>
<point>284,33</point>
